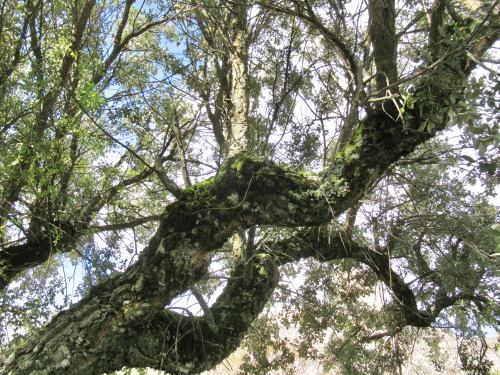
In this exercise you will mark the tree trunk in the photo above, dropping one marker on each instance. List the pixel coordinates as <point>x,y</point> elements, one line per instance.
<point>123,321</point>
<point>238,131</point>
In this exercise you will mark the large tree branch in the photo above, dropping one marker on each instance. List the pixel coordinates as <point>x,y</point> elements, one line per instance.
<point>133,334</point>
<point>105,329</point>
<point>61,236</point>
<point>323,245</point>
<point>247,192</point>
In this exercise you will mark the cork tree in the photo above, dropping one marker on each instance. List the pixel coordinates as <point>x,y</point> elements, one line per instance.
<point>175,149</point>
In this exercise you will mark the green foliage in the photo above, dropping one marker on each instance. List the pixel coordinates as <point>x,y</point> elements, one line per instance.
<point>25,313</point>
<point>267,351</point>
<point>472,357</point>
<point>107,117</point>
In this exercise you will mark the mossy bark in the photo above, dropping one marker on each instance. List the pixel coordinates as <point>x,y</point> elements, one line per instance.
<point>122,322</point>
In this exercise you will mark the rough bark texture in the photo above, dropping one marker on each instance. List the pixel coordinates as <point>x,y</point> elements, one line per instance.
<point>122,322</point>
<point>384,41</point>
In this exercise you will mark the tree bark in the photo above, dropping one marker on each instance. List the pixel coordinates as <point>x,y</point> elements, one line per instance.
<point>238,131</point>
<point>123,321</point>
<point>383,37</point>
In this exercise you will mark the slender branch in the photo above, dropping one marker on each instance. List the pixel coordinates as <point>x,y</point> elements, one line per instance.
<point>204,306</point>
<point>125,224</point>
<point>120,42</point>
<point>106,133</point>
<point>330,35</point>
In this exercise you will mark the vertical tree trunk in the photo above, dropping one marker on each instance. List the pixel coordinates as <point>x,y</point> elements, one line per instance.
<point>384,41</point>
<point>238,136</point>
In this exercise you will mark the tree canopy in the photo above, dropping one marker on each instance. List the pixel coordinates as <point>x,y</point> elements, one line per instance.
<point>213,151</point>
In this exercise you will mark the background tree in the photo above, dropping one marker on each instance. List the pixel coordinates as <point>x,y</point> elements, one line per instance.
<point>257,137</point>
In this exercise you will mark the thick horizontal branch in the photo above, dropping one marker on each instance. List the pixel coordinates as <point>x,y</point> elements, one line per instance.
<point>125,314</point>
<point>246,192</point>
<point>323,245</point>
<point>17,258</point>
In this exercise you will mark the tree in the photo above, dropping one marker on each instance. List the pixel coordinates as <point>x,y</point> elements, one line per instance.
<point>255,147</point>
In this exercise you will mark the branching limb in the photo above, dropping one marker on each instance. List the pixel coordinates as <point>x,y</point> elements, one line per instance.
<point>307,14</point>
<point>324,246</point>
